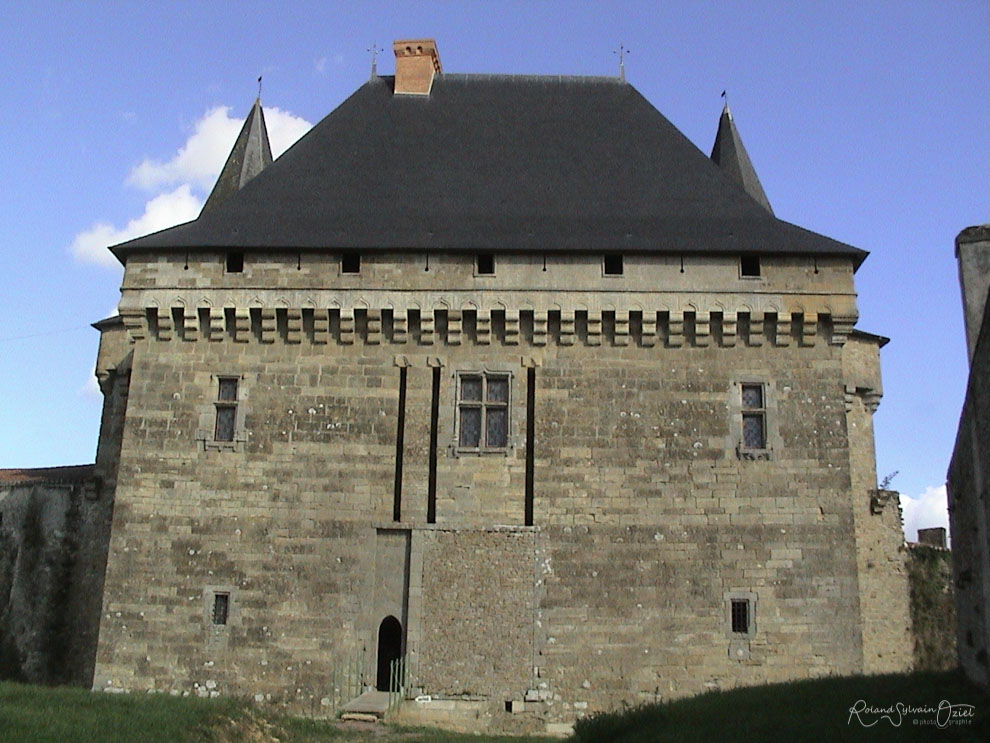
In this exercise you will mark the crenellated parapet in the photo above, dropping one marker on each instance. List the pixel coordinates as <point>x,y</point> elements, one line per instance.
<point>347,325</point>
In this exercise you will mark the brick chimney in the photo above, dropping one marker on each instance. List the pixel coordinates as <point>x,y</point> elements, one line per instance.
<point>416,62</point>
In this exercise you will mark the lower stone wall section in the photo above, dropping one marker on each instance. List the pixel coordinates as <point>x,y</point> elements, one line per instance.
<point>480,596</point>
<point>54,526</point>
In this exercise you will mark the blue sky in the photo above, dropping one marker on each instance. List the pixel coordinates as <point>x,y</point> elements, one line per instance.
<point>866,121</point>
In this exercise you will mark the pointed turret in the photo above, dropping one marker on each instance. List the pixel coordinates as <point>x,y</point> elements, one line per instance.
<point>730,155</point>
<point>251,154</point>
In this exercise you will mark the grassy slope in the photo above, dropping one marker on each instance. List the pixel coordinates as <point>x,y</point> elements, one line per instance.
<point>817,711</point>
<point>807,710</point>
<point>32,714</point>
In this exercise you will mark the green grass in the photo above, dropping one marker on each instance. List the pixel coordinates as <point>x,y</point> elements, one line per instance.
<point>815,710</point>
<point>298,730</point>
<point>32,714</point>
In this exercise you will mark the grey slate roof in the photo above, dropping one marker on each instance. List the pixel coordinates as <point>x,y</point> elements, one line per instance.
<point>730,155</point>
<point>251,154</point>
<point>495,162</point>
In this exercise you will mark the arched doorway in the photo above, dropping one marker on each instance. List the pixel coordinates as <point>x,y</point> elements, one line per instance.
<point>389,649</point>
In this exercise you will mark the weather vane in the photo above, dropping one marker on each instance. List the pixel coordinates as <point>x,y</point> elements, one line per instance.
<point>259,87</point>
<point>622,52</point>
<point>374,49</point>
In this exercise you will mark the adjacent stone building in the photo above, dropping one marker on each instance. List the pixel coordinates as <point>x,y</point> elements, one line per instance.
<point>501,375</point>
<point>969,506</point>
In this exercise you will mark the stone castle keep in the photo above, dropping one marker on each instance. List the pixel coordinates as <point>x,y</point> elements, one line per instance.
<point>503,376</point>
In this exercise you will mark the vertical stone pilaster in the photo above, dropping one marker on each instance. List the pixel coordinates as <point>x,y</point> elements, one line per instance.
<point>374,327</point>
<point>293,326</point>
<point>649,332</point>
<point>809,329</point>
<point>242,325</point>
<point>539,328</point>
<point>454,327</point>
<point>427,327</point>
<point>347,326</point>
<point>783,334</point>
<point>702,328</point>
<point>567,327</point>
<point>512,327</point>
<point>594,327</point>
<point>755,329</point>
<point>190,323</point>
<point>675,333</point>
<point>400,326</point>
<point>483,330</point>
<point>621,328</point>
<point>217,324</point>
<point>164,323</point>
<point>269,325</point>
<point>136,324</point>
<point>321,325</point>
<point>729,328</point>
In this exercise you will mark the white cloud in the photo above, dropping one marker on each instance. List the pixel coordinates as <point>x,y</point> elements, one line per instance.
<point>199,160</point>
<point>165,210</point>
<point>284,129</point>
<point>190,172</point>
<point>91,388</point>
<point>927,510</point>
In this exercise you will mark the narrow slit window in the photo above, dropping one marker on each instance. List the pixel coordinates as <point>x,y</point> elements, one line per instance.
<point>221,608</point>
<point>739,615</point>
<point>486,264</point>
<point>350,263</point>
<point>226,407</point>
<point>613,264</point>
<point>483,412</point>
<point>235,262</point>
<point>754,417</point>
<point>749,266</point>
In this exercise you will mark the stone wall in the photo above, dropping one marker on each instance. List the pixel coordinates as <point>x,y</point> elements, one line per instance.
<point>54,524</point>
<point>881,553</point>
<point>345,494</point>
<point>933,614</point>
<point>969,518</point>
<point>969,506</point>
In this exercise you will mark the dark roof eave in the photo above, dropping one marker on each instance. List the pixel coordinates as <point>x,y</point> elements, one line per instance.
<point>856,254</point>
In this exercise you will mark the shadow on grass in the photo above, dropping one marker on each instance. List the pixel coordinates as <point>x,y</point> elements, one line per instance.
<point>815,710</point>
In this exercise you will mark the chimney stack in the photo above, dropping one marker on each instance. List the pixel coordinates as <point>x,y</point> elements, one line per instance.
<point>416,62</point>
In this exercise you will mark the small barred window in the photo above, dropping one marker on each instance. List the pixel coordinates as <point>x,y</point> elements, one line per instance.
<point>221,608</point>
<point>739,615</point>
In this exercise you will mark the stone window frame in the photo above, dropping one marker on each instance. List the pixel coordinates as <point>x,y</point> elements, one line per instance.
<point>477,265</point>
<point>480,450</point>
<point>752,600</point>
<point>218,635</point>
<point>210,592</point>
<point>622,265</point>
<point>771,433</point>
<point>750,276</point>
<point>739,642</point>
<point>350,255</point>
<point>206,433</point>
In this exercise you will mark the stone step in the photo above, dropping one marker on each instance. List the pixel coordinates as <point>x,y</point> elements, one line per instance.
<point>369,703</point>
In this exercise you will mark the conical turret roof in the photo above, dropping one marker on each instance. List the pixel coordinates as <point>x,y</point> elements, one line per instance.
<point>731,156</point>
<point>251,154</point>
